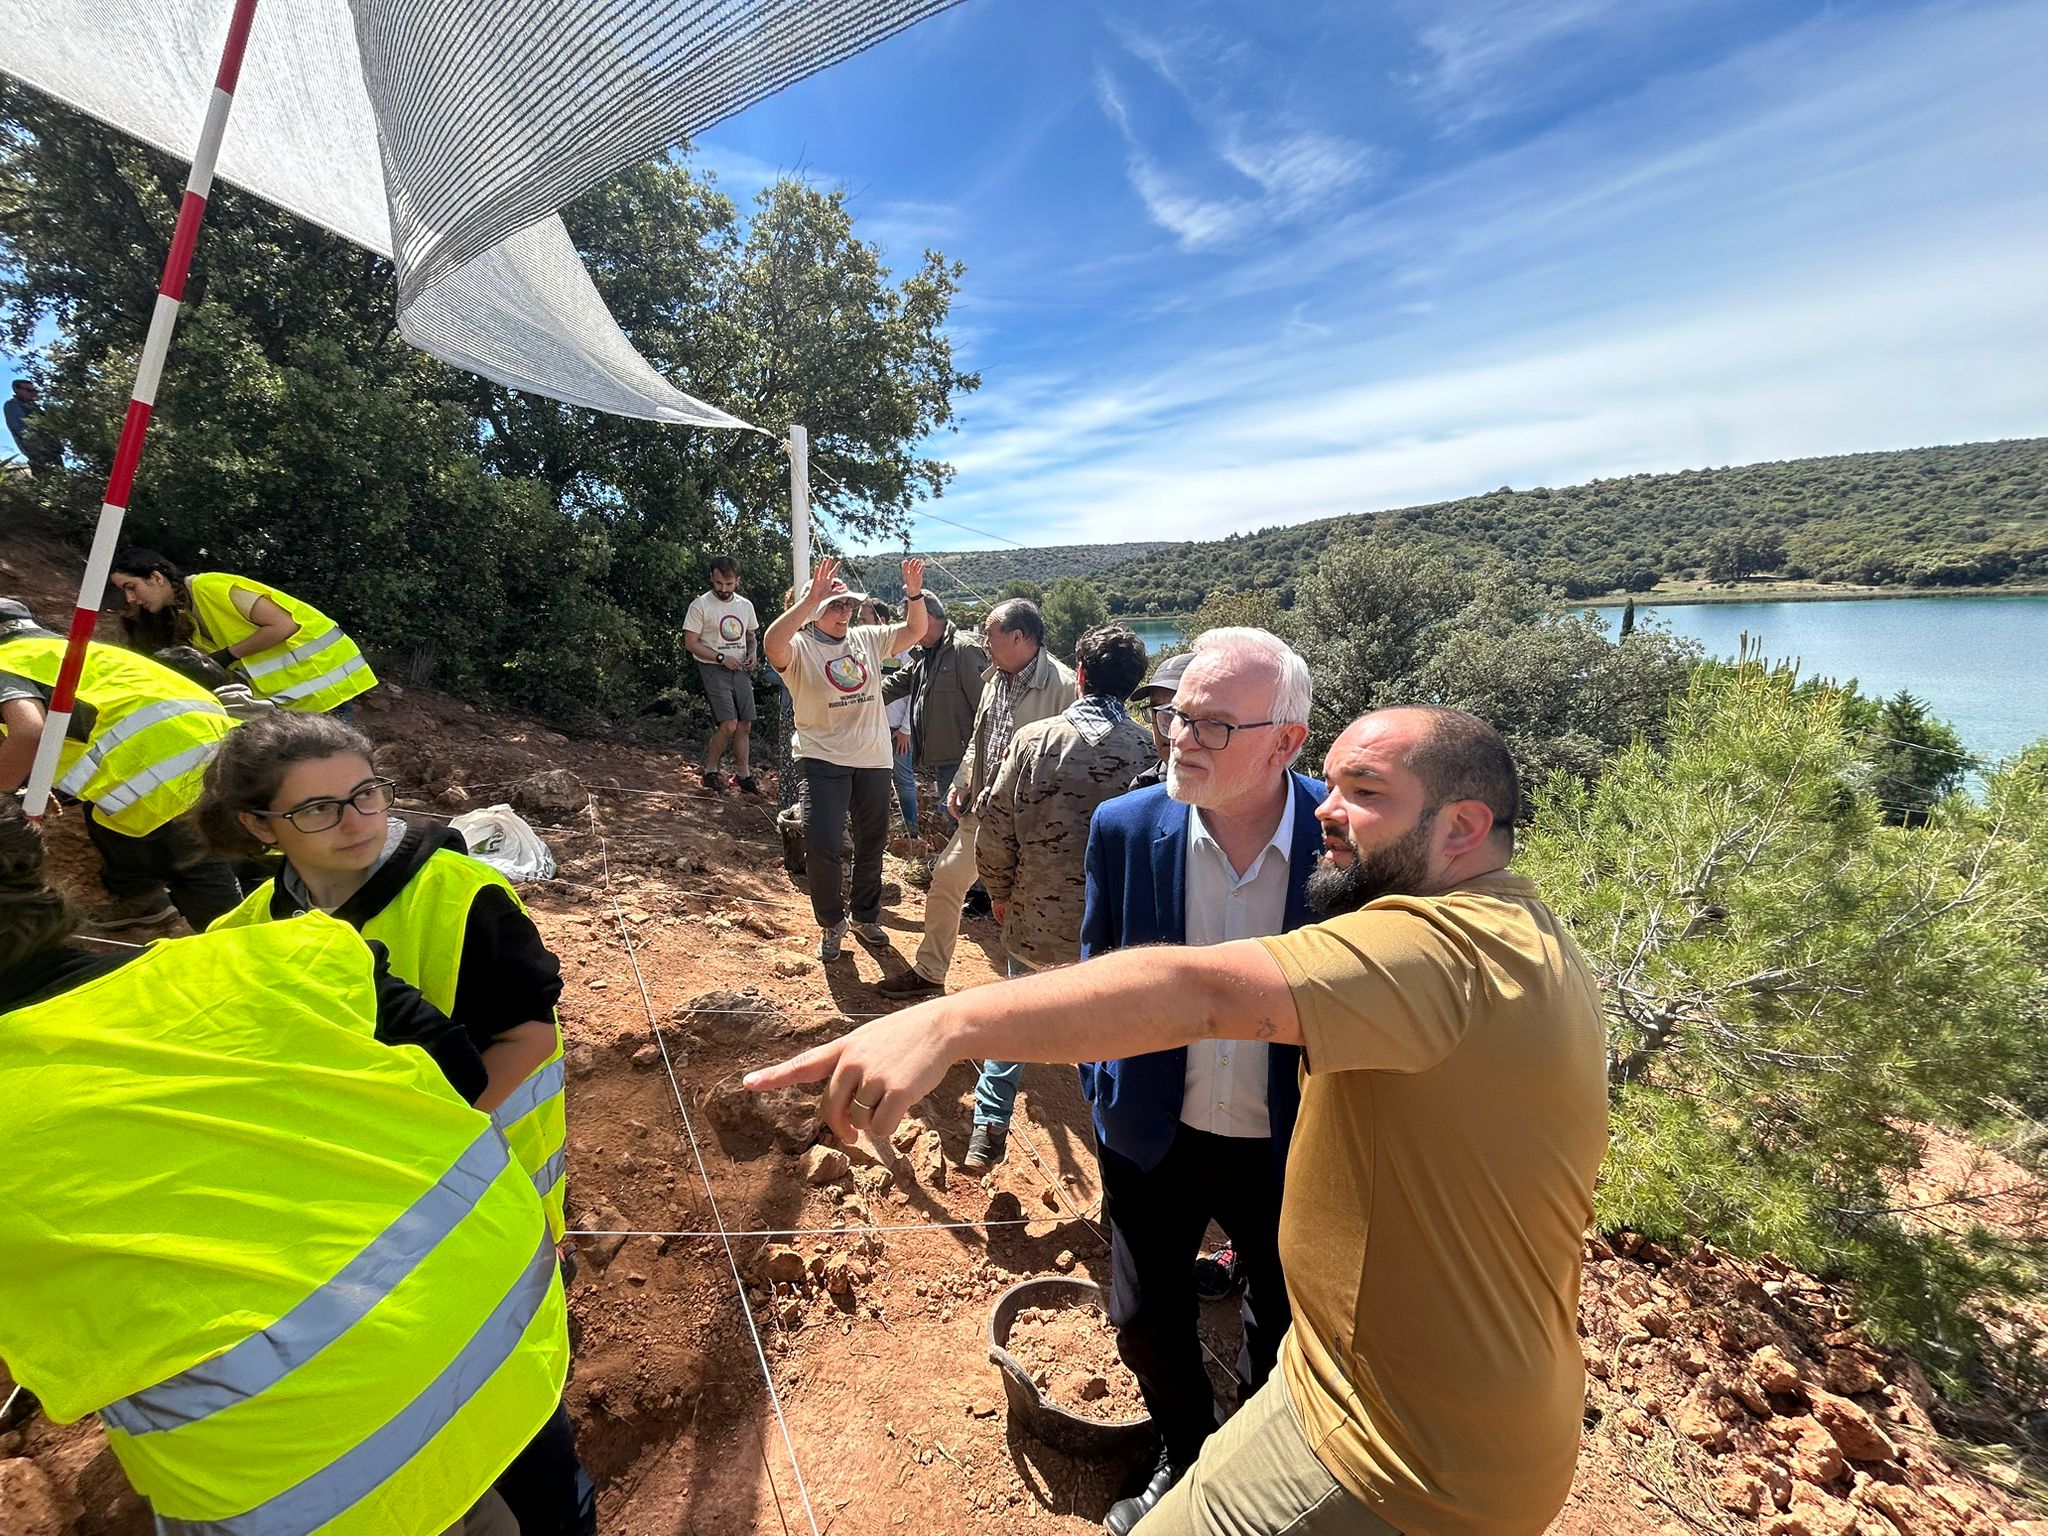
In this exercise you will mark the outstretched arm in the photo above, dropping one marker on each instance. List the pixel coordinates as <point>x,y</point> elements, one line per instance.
<point>1122,1004</point>
<point>916,613</point>
<point>776,639</point>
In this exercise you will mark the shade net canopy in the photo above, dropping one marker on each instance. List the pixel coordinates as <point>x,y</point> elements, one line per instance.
<point>447,134</point>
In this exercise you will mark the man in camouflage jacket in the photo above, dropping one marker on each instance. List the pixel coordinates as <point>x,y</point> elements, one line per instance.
<point>1033,844</point>
<point>1034,826</point>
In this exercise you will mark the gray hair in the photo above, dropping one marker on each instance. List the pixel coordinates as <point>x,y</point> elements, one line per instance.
<point>1238,644</point>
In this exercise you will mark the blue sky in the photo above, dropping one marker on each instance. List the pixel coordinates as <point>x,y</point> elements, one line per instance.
<point>1236,265</point>
<point>1233,265</point>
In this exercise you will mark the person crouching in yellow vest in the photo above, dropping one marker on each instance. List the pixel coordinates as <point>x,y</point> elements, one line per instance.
<point>246,1220</point>
<point>288,651</point>
<point>302,786</point>
<point>136,753</point>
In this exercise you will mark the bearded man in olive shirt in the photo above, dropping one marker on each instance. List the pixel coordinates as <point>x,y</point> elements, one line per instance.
<point>1453,1115</point>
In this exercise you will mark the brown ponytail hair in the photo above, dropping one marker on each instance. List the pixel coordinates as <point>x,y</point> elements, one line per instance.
<point>33,914</point>
<point>251,764</point>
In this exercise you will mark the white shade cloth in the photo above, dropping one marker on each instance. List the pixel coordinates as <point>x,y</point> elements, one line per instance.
<point>447,134</point>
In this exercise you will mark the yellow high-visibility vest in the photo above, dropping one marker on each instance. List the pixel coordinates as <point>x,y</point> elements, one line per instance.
<point>423,928</point>
<point>153,732</point>
<point>301,1281</point>
<point>316,670</point>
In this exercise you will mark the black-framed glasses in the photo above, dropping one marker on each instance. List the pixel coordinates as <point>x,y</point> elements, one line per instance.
<point>325,815</point>
<point>1210,735</point>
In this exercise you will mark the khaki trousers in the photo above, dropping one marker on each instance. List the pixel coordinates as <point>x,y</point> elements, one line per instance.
<point>952,876</point>
<point>1256,1476</point>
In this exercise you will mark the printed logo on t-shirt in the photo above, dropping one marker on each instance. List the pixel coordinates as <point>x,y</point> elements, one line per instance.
<point>730,628</point>
<point>849,674</point>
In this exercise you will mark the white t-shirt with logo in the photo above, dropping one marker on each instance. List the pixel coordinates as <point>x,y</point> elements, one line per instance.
<point>837,688</point>
<point>722,625</point>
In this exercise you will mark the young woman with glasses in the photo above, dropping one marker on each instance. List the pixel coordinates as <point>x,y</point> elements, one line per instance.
<point>300,792</point>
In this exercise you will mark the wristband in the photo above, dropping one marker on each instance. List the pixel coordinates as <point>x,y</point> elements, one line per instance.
<point>913,597</point>
<point>223,658</point>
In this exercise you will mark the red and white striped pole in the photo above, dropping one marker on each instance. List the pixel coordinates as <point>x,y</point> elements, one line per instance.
<point>141,404</point>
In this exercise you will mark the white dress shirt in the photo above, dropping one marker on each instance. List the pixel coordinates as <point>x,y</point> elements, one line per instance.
<point>1225,1090</point>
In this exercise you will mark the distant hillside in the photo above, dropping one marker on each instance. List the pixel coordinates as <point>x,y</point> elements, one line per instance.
<point>1967,516</point>
<point>988,571</point>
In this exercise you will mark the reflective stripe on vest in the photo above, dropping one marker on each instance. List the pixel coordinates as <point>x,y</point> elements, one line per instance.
<point>375,1460</point>
<point>263,1359</point>
<point>153,732</point>
<point>544,1084</point>
<point>301,652</point>
<point>96,750</point>
<point>549,1174</point>
<point>156,776</point>
<point>320,684</point>
<point>317,668</point>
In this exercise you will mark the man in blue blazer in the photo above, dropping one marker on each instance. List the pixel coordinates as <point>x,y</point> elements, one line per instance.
<point>1221,851</point>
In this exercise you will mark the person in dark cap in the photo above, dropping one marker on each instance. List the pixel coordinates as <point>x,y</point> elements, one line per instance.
<point>1145,704</point>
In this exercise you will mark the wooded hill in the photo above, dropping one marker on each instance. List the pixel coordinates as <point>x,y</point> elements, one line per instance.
<point>988,571</point>
<point>1965,516</point>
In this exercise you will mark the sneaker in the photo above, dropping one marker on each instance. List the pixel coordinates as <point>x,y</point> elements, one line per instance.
<point>989,1145</point>
<point>910,984</point>
<point>749,787</point>
<point>831,940</point>
<point>713,782</point>
<point>131,912</point>
<point>1217,1275</point>
<point>871,933</point>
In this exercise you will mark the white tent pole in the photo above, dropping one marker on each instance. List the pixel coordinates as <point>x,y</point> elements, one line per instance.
<point>141,405</point>
<point>799,507</point>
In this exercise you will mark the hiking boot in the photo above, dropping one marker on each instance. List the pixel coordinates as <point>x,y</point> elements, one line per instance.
<point>910,984</point>
<point>145,911</point>
<point>749,787</point>
<point>1125,1514</point>
<point>1218,1276</point>
<point>989,1145</point>
<point>832,940</point>
<point>713,782</point>
<point>873,934</point>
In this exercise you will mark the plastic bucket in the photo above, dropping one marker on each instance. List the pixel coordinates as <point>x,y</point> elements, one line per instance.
<point>1029,1407</point>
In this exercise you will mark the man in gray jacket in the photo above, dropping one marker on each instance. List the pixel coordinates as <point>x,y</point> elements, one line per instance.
<point>942,680</point>
<point>1023,683</point>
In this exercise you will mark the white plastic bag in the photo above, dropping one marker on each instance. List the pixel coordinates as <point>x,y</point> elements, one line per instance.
<point>501,837</point>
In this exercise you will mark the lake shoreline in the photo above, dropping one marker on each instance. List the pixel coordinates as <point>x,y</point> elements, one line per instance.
<point>1802,595</point>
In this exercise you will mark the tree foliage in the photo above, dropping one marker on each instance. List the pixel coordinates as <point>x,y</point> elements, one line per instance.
<point>1071,608</point>
<point>1974,515</point>
<point>1791,982</point>
<point>1381,623</point>
<point>500,541</point>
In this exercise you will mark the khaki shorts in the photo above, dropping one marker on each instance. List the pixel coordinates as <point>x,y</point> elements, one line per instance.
<point>1256,1476</point>
<point>731,693</point>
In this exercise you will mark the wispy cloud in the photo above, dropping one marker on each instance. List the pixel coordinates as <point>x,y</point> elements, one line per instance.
<point>1826,243</point>
<point>1245,169</point>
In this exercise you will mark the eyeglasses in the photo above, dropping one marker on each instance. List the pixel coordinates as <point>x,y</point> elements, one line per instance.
<point>1210,735</point>
<point>325,815</point>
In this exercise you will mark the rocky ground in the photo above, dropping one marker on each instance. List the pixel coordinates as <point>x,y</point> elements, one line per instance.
<point>1724,1395</point>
